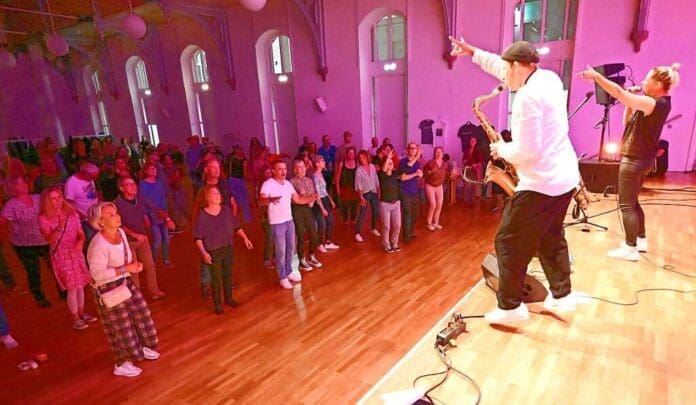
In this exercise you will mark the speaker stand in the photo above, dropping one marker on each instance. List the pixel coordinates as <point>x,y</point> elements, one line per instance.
<point>584,220</point>
<point>604,123</point>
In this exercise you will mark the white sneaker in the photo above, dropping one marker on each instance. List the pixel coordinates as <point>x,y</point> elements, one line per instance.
<point>9,342</point>
<point>430,227</point>
<point>322,249</point>
<point>314,262</point>
<point>437,226</point>
<point>376,232</point>
<point>358,238</point>
<point>642,244</point>
<point>150,354</point>
<point>331,246</point>
<point>296,277</point>
<point>285,284</point>
<point>501,316</point>
<point>625,252</point>
<point>127,369</point>
<point>563,304</point>
<point>304,265</point>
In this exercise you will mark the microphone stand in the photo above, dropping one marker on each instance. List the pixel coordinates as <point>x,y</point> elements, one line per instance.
<point>587,98</point>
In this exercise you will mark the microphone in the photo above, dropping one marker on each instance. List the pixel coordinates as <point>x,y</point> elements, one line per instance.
<point>589,94</point>
<point>635,89</point>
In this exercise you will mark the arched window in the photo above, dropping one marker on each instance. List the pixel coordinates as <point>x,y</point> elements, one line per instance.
<point>95,97</point>
<point>194,70</point>
<point>281,59</point>
<point>389,39</point>
<point>140,91</point>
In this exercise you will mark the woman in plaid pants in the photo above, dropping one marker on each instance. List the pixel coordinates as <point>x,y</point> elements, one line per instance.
<point>128,324</point>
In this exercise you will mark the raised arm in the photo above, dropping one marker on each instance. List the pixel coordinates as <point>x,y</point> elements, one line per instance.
<point>633,101</point>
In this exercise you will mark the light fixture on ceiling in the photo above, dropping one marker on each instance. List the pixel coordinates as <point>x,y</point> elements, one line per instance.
<point>147,92</point>
<point>7,59</point>
<point>253,5</point>
<point>205,86</point>
<point>55,43</point>
<point>133,25</point>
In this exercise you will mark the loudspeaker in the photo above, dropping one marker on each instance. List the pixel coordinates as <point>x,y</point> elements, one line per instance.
<point>608,70</point>
<point>600,177</point>
<point>533,290</point>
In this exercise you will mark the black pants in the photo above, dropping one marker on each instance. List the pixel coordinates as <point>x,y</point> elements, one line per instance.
<point>6,276</point>
<point>631,176</point>
<point>304,222</point>
<point>29,256</point>
<point>221,271</point>
<point>532,222</point>
<point>409,213</point>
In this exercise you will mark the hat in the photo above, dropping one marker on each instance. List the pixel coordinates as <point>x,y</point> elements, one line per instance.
<point>521,51</point>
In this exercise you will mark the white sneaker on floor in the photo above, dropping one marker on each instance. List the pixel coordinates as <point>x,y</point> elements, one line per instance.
<point>304,265</point>
<point>625,252</point>
<point>358,238</point>
<point>331,246</point>
<point>501,316</point>
<point>437,226</point>
<point>430,227</point>
<point>150,354</point>
<point>296,277</point>
<point>563,304</point>
<point>9,342</point>
<point>642,245</point>
<point>285,283</point>
<point>376,232</point>
<point>322,249</point>
<point>314,262</point>
<point>127,369</point>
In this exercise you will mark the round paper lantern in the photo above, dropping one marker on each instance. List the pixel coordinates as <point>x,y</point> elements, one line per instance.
<point>134,26</point>
<point>253,5</point>
<point>57,45</point>
<point>7,59</point>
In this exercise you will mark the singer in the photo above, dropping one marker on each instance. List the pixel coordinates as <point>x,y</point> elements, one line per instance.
<point>547,167</point>
<point>644,118</point>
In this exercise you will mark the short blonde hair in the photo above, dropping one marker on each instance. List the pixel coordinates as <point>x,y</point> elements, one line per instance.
<point>95,213</point>
<point>667,75</point>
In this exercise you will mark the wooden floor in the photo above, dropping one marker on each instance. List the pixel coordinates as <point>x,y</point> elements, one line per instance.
<point>332,339</point>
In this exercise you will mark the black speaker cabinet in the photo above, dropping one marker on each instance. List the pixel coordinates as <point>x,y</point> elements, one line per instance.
<point>533,290</point>
<point>599,176</point>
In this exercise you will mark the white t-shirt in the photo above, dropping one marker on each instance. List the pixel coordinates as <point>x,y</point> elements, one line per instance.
<point>280,211</point>
<point>82,193</point>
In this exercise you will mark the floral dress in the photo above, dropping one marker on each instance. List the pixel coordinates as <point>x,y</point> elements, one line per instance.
<point>69,264</point>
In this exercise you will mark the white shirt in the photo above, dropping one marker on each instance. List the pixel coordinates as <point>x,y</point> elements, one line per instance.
<point>540,149</point>
<point>105,258</point>
<point>280,211</point>
<point>82,193</point>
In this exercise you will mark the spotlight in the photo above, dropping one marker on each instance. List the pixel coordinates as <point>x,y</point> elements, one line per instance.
<point>205,86</point>
<point>611,148</point>
<point>147,92</point>
<point>282,78</point>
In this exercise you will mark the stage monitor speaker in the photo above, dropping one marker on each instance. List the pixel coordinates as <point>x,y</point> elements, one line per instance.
<point>600,177</point>
<point>610,69</point>
<point>533,290</point>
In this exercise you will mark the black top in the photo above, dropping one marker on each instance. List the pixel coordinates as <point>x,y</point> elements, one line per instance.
<point>235,166</point>
<point>215,231</point>
<point>348,176</point>
<point>389,185</point>
<point>642,134</point>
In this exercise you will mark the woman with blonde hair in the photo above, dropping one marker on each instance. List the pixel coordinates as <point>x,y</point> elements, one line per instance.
<point>644,117</point>
<point>122,309</point>
<point>60,225</point>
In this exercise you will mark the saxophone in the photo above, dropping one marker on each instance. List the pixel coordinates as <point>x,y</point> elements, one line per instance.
<point>505,178</point>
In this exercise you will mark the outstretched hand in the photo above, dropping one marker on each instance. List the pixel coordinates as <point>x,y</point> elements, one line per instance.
<point>460,47</point>
<point>589,74</point>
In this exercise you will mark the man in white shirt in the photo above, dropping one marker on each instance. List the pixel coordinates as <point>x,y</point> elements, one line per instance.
<point>278,193</point>
<point>548,173</point>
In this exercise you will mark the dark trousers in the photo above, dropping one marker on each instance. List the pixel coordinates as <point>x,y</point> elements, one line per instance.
<point>349,209</point>
<point>631,176</point>
<point>532,222</point>
<point>372,202</point>
<point>221,274</point>
<point>304,222</point>
<point>268,240</point>
<point>409,213</point>
<point>6,276</point>
<point>325,224</point>
<point>29,256</point>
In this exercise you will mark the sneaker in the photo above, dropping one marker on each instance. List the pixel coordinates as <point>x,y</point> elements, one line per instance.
<point>9,342</point>
<point>296,277</point>
<point>322,249</point>
<point>88,318</point>
<point>268,264</point>
<point>437,226</point>
<point>314,262</point>
<point>388,250</point>
<point>501,316</point>
<point>79,324</point>
<point>285,283</point>
<point>625,252</point>
<point>563,304</point>
<point>358,238</point>
<point>430,227</point>
<point>168,264</point>
<point>642,245</point>
<point>376,232</point>
<point>127,369</point>
<point>150,354</point>
<point>331,246</point>
<point>396,248</point>
<point>305,266</point>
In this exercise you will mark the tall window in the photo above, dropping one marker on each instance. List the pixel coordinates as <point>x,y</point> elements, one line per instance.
<point>388,38</point>
<point>281,58</point>
<point>96,101</point>
<point>194,69</point>
<point>139,87</point>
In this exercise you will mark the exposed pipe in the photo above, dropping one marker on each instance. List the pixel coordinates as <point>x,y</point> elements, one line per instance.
<point>22,10</point>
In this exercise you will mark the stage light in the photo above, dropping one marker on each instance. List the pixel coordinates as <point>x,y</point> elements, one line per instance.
<point>147,92</point>
<point>205,86</point>
<point>611,148</point>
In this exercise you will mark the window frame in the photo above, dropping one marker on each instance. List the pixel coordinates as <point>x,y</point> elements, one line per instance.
<point>390,41</point>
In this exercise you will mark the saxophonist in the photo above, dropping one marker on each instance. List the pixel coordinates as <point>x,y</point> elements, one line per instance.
<point>546,164</point>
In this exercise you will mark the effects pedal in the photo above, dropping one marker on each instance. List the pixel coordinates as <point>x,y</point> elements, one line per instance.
<point>454,328</point>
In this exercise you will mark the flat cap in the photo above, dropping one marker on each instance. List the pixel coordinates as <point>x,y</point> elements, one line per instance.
<point>521,51</point>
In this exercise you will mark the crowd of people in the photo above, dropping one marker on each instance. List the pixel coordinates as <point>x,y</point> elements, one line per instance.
<point>100,212</point>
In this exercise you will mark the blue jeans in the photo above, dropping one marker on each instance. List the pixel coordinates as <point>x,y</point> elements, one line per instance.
<point>205,274</point>
<point>239,191</point>
<point>4,326</point>
<point>284,238</point>
<point>325,224</point>
<point>160,237</point>
<point>372,202</point>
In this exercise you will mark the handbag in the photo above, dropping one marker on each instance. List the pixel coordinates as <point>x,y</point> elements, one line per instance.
<point>117,294</point>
